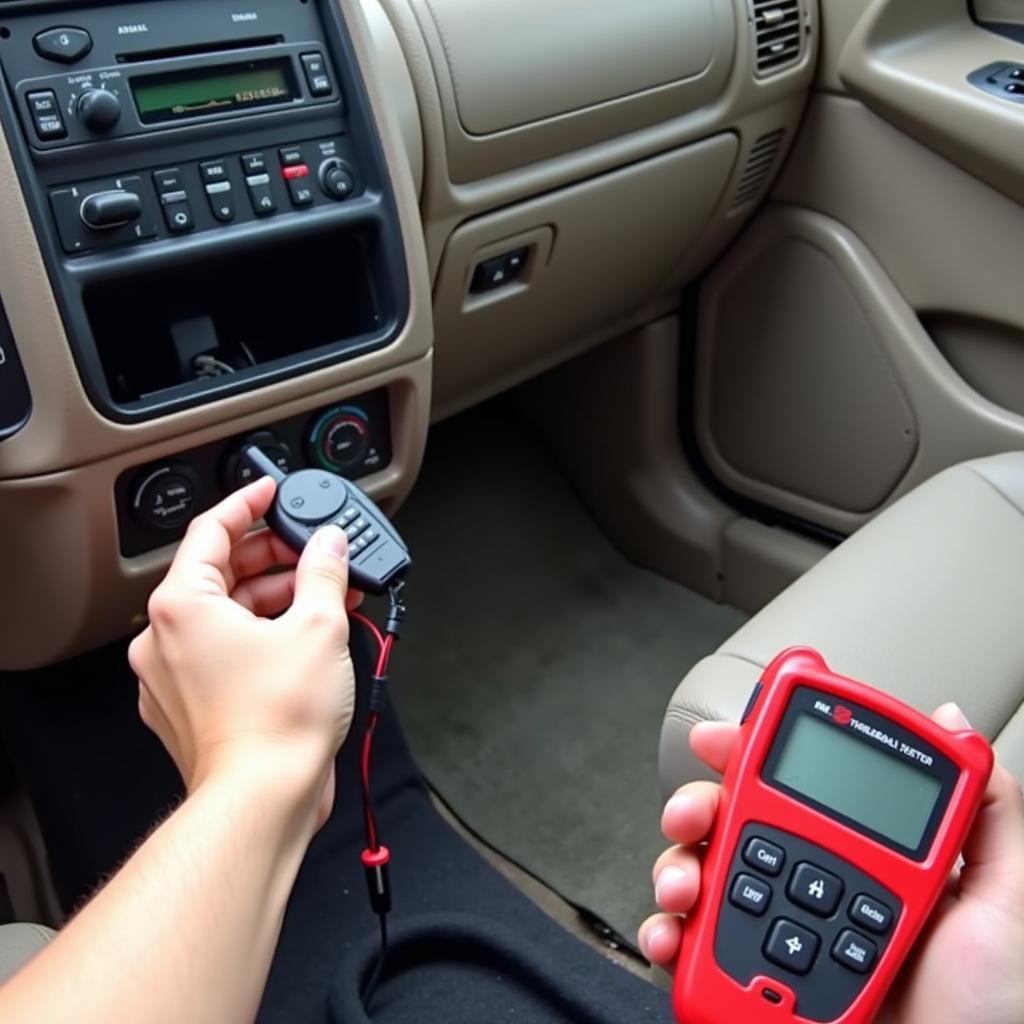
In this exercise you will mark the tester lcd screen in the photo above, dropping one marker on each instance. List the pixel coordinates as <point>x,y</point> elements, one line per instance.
<point>193,93</point>
<point>858,781</point>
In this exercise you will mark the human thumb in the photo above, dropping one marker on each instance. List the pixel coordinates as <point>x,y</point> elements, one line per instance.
<point>996,841</point>
<point>321,577</point>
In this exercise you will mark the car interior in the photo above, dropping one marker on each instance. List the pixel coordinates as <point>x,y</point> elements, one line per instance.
<point>669,334</point>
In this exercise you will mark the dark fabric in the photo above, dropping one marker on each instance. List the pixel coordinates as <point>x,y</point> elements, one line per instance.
<point>467,946</point>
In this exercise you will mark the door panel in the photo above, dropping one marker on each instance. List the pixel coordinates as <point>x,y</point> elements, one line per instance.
<point>798,404</point>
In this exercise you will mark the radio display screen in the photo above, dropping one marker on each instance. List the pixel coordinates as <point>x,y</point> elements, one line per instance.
<point>197,92</point>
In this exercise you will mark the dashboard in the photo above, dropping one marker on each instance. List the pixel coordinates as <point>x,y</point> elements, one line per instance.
<point>319,226</point>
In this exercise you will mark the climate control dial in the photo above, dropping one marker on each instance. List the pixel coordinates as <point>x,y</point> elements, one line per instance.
<point>340,439</point>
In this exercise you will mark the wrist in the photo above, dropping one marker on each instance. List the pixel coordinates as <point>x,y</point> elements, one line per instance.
<point>283,779</point>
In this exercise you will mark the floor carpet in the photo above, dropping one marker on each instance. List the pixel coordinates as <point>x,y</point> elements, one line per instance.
<point>537,665</point>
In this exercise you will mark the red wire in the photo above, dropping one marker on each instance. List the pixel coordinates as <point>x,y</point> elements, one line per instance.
<point>384,648</point>
<point>371,626</point>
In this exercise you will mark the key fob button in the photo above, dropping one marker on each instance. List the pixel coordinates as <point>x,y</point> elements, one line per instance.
<point>312,496</point>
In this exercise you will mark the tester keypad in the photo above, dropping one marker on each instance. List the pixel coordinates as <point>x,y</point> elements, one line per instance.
<point>797,913</point>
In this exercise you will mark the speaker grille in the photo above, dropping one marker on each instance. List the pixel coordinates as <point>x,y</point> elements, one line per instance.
<point>760,164</point>
<point>778,35</point>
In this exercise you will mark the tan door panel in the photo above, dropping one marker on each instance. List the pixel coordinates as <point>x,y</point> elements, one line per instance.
<point>868,331</point>
<point>910,62</point>
<point>999,12</point>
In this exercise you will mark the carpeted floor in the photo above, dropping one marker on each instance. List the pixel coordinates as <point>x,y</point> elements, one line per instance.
<point>537,665</point>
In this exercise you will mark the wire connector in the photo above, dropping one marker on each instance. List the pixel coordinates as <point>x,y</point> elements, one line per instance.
<point>378,701</point>
<point>396,610</point>
<point>378,881</point>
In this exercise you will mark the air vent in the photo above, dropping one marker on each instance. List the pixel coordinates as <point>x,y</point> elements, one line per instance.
<point>760,164</point>
<point>778,34</point>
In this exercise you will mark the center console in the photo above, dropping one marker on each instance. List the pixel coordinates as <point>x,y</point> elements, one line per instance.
<point>209,238</point>
<point>207,187</point>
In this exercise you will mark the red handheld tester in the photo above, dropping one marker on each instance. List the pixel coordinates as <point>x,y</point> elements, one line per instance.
<point>842,814</point>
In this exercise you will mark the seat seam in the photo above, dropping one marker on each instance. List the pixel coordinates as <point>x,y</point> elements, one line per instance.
<point>997,489</point>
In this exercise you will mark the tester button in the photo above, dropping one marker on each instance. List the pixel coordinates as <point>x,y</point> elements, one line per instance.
<point>764,856</point>
<point>791,946</point>
<point>815,889</point>
<point>871,914</point>
<point>854,952</point>
<point>750,894</point>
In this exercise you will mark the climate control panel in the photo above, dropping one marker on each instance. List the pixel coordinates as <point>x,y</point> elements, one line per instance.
<point>156,502</point>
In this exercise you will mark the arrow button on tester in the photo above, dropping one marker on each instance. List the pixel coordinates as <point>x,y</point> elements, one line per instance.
<point>791,947</point>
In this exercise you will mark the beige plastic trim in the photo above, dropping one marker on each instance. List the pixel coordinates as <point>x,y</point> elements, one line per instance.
<point>548,102</point>
<point>612,419</point>
<point>948,241</point>
<point>600,250</point>
<point>58,532</point>
<point>909,62</point>
<point>760,561</point>
<point>66,431</point>
<point>397,83</point>
<point>505,73</point>
<point>1003,12</point>
<point>954,422</point>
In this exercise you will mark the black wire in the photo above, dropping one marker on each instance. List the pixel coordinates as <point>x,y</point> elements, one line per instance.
<point>378,970</point>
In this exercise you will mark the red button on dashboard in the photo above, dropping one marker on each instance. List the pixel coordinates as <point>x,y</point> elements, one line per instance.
<point>299,171</point>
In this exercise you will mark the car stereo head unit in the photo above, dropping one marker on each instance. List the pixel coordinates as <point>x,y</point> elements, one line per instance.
<point>208,190</point>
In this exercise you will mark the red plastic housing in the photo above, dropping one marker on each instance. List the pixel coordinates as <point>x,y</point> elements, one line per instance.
<point>704,993</point>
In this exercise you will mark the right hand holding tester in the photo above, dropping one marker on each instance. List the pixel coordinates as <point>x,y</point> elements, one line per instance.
<point>842,813</point>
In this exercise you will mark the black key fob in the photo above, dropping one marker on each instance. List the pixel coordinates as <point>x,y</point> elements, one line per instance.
<point>313,498</point>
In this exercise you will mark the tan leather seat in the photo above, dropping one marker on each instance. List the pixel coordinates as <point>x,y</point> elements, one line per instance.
<point>18,944</point>
<point>926,602</point>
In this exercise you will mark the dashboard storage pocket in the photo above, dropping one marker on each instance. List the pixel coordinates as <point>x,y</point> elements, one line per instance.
<point>200,324</point>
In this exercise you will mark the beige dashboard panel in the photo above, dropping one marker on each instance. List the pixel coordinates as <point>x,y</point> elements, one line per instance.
<point>596,252</point>
<point>510,65</point>
<point>567,74</point>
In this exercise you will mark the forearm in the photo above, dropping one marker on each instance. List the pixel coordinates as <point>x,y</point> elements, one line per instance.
<point>187,929</point>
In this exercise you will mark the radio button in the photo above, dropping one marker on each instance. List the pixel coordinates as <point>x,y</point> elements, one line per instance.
<point>815,889</point>
<point>254,163</point>
<point>178,215</point>
<point>261,195</point>
<point>791,947</point>
<point>46,116</point>
<point>750,894</point>
<point>64,45</point>
<point>764,856</point>
<point>214,171</point>
<point>316,74</point>
<point>291,156</point>
<point>222,201</point>
<point>301,192</point>
<point>871,914</point>
<point>854,952</point>
<point>168,181</point>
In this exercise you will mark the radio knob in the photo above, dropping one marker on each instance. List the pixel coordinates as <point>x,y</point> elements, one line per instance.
<point>104,210</point>
<point>99,110</point>
<point>336,179</point>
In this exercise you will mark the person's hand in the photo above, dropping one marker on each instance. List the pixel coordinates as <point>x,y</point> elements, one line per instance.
<point>967,968</point>
<point>248,672</point>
